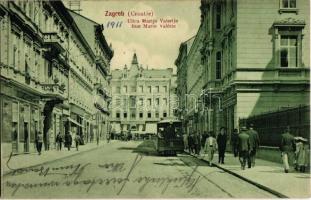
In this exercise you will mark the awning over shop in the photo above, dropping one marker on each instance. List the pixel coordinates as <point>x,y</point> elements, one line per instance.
<point>77,110</point>
<point>102,109</point>
<point>132,122</point>
<point>74,122</point>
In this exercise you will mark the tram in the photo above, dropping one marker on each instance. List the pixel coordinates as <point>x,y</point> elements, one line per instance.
<point>169,138</point>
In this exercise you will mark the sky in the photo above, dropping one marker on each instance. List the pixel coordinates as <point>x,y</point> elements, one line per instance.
<point>155,48</point>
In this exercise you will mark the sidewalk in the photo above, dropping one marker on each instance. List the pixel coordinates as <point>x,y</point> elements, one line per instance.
<point>33,159</point>
<point>268,175</point>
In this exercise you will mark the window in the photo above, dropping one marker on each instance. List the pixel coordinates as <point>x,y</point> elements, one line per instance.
<point>149,114</point>
<point>117,89</point>
<point>164,101</point>
<point>149,102</point>
<point>230,51</point>
<point>141,89</point>
<point>141,102</point>
<point>288,4</point>
<point>125,115</point>
<point>157,89</point>
<point>157,115</point>
<point>157,101</point>
<point>118,102</point>
<point>149,89</point>
<point>117,115</point>
<point>164,114</point>
<point>218,65</point>
<point>133,114</point>
<point>288,51</point>
<point>218,17</point>
<point>125,89</point>
<point>164,88</point>
<point>133,101</point>
<point>141,115</point>
<point>133,89</point>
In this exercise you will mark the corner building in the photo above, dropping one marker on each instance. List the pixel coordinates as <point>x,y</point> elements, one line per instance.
<point>255,59</point>
<point>142,97</point>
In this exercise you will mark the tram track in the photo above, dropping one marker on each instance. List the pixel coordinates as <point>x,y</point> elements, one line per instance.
<point>259,186</point>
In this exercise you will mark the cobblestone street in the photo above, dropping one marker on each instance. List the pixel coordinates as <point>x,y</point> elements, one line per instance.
<point>90,174</point>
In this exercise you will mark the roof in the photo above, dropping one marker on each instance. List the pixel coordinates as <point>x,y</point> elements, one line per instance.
<point>86,27</point>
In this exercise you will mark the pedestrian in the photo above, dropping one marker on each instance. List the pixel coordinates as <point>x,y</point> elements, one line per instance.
<point>59,141</point>
<point>108,136</point>
<point>221,142</point>
<point>97,140</point>
<point>68,141</point>
<point>287,148</point>
<point>254,145</point>
<point>185,139</point>
<point>77,141</point>
<point>243,144</point>
<point>39,141</point>
<point>234,142</point>
<point>14,134</point>
<point>210,147</point>
<point>197,143</point>
<point>301,154</point>
<point>191,143</point>
<point>203,140</point>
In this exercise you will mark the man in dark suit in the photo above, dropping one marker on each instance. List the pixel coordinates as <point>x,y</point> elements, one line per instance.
<point>244,145</point>
<point>287,148</point>
<point>254,144</point>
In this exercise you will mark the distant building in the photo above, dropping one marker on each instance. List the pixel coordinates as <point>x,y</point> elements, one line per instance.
<point>254,59</point>
<point>141,97</point>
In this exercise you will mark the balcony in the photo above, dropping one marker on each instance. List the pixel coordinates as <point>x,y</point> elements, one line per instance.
<point>100,61</point>
<point>53,91</point>
<point>52,41</point>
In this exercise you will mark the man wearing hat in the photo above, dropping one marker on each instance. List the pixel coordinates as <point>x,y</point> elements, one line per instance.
<point>287,148</point>
<point>244,146</point>
<point>254,144</point>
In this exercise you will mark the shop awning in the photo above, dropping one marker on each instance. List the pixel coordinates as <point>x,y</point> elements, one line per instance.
<point>74,122</point>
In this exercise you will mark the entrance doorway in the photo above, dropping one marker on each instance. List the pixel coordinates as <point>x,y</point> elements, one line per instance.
<point>26,137</point>
<point>14,137</point>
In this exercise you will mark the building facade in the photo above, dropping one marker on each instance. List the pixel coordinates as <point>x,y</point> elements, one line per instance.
<point>255,58</point>
<point>141,97</point>
<point>43,56</point>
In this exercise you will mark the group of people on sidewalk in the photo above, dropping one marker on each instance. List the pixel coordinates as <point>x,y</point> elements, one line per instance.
<point>294,149</point>
<point>207,142</point>
<point>60,139</point>
<point>245,145</point>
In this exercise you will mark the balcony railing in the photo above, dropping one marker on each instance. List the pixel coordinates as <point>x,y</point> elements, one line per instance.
<point>102,63</point>
<point>52,39</point>
<point>53,90</point>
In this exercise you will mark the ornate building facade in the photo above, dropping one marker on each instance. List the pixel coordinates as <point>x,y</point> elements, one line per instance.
<point>255,58</point>
<point>43,56</point>
<point>141,97</point>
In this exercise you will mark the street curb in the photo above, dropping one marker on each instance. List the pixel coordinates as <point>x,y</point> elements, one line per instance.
<point>50,161</point>
<point>246,179</point>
